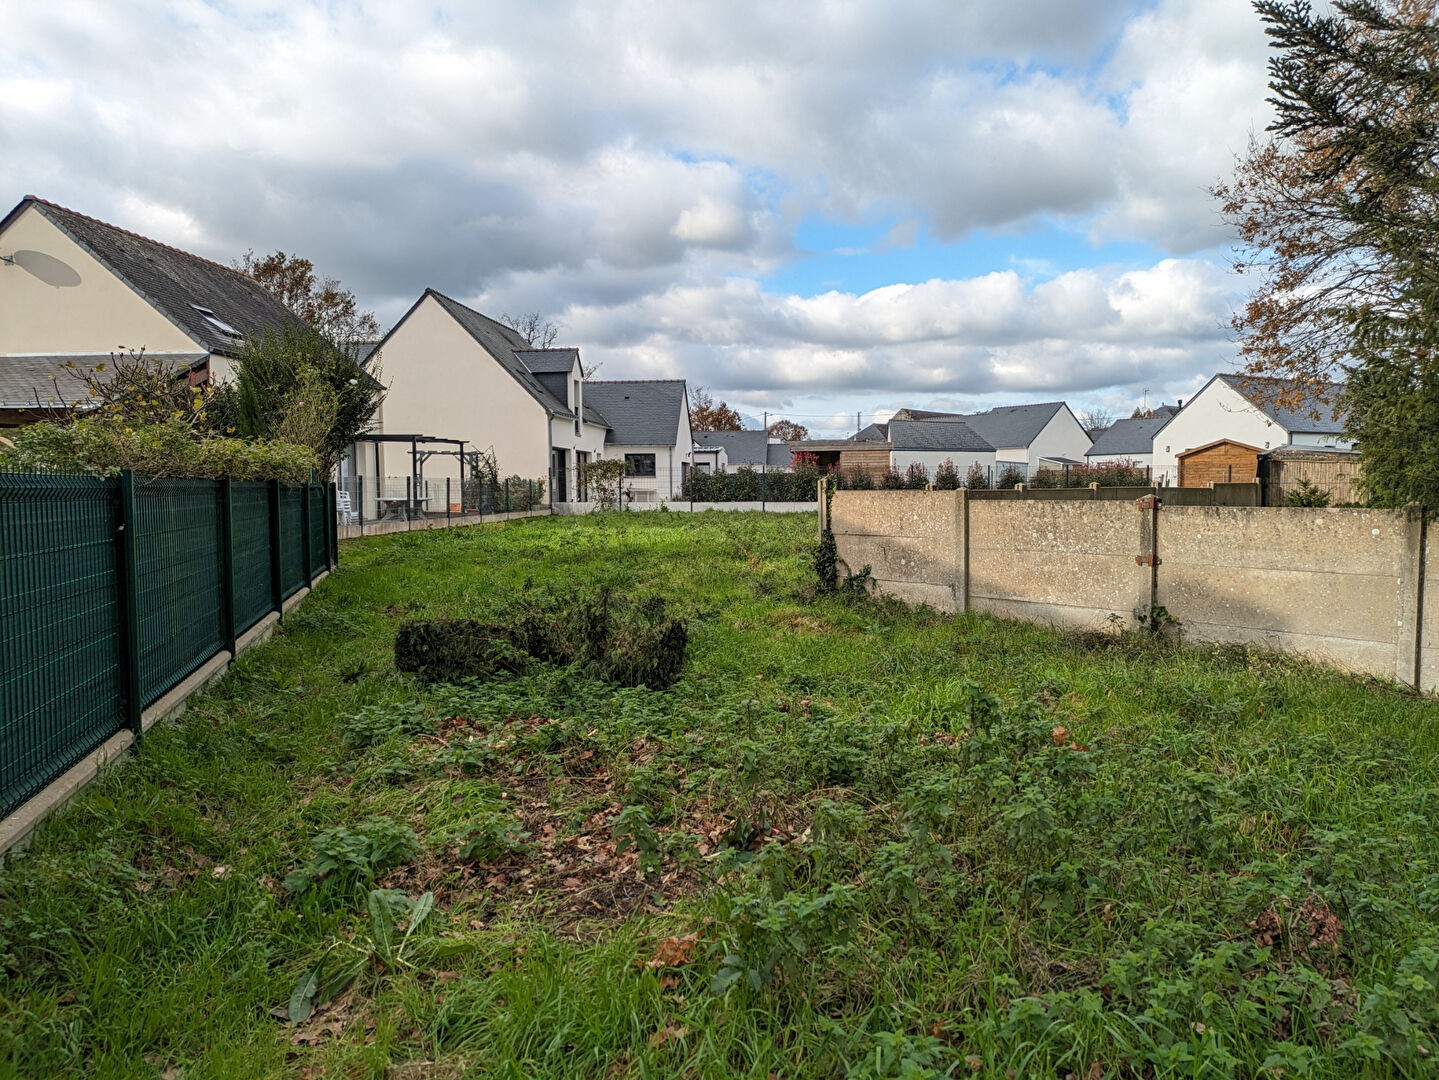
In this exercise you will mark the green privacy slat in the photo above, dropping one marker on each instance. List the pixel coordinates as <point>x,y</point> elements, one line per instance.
<point>292,552</point>
<point>61,694</point>
<point>251,552</point>
<point>178,546</point>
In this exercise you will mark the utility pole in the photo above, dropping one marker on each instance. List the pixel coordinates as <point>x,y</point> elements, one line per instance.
<point>857,425</point>
<point>764,466</point>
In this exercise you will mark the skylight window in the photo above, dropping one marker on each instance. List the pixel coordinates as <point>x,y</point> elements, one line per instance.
<point>218,323</point>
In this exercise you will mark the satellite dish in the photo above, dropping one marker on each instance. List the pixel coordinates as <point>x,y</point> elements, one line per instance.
<point>47,268</point>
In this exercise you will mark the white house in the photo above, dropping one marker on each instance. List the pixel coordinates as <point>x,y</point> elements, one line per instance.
<point>931,443</point>
<point>458,375</point>
<point>649,426</point>
<point>1242,409</point>
<point>74,290</point>
<point>1029,436</point>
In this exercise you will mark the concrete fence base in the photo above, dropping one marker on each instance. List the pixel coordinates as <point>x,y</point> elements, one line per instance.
<point>1344,586</point>
<point>355,530</point>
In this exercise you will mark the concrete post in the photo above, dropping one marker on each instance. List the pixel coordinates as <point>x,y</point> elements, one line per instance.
<point>961,587</point>
<point>1147,559</point>
<point>1409,616</point>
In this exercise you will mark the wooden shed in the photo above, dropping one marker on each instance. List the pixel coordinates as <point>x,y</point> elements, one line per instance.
<point>1223,461</point>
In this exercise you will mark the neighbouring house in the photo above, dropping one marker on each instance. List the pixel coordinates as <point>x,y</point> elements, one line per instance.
<point>462,384</point>
<point>1126,441</point>
<point>902,442</point>
<point>730,451</point>
<point>1245,411</point>
<point>930,443</point>
<point>461,376</point>
<point>649,426</point>
<point>1031,437</point>
<point>75,290</point>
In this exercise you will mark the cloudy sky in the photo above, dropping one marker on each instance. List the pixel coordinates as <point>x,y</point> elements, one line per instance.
<point>808,208</point>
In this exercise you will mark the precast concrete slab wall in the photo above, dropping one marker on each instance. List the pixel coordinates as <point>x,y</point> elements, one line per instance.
<point>912,542</point>
<point>1428,675</point>
<point>1071,563</point>
<point>1322,583</point>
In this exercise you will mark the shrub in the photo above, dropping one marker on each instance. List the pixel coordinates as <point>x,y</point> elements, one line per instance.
<point>1009,476</point>
<point>856,479</point>
<point>628,642</point>
<point>745,484</point>
<point>1307,494</point>
<point>946,476</point>
<point>977,478</point>
<point>916,477</point>
<point>891,479</point>
<point>518,493</point>
<point>603,480</point>
<point>168,449</point>
<point>448,650</point>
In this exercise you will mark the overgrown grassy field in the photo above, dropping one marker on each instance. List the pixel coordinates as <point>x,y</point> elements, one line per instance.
<point>855,839</point>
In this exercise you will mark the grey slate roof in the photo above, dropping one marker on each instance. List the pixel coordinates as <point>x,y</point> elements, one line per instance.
<point>936,435</point>
<point>640,412</point>
<point>1005,426</point>
<point>48,381</point>
<point>173,281</point>
<point>1013,425</point>
<point>1260,392</point>
<point>872,433</point>
<point>1127,437</point>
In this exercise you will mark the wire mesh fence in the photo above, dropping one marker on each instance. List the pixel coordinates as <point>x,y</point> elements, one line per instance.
<point>114,590</point>
<point>363,501</point>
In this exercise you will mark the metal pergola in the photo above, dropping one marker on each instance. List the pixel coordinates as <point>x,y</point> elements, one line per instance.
<point>419,456</point>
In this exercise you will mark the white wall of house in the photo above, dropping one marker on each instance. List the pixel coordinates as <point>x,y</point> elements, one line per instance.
<point>667,481</point>
<point>932,459</point>
<point>1142,460</point>
<point>1323,440</point>
<point>82,308</point>
<point>444,383</point>
<point>1063,436</point>
<point>1218,411</point>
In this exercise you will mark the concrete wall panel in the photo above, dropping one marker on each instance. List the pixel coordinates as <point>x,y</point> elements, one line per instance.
<point>1283,538</point>
<point>912,541</point>
<point>1068,562</point>
<point>1429,619</point>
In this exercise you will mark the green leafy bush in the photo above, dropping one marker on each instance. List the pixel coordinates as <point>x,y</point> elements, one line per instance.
<point>916,477</point>
<point>1009,476</point>
<point>1307,494</point>
<point>976,478</point>
<point>167,449</point>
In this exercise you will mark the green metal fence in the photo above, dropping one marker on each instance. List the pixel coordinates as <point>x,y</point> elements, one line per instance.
<point>113,591</point>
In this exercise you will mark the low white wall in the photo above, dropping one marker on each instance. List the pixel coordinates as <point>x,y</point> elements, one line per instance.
<point>687,507</point>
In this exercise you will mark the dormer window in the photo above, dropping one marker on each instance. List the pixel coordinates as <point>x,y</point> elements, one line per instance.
<point>219,323</point>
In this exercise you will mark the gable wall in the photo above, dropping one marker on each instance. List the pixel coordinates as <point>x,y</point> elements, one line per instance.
<point>1216,412</point>
<point>1063,436</point>
<point>444,383</point>
<point>98,313</point>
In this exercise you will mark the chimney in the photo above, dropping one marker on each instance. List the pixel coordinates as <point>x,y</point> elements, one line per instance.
<point>1181,402</point>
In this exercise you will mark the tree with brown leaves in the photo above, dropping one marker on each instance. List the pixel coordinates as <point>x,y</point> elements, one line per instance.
<point>1339,215</point>
<point>706,414</point>
<point>788,431</point>
<point>324,304</point>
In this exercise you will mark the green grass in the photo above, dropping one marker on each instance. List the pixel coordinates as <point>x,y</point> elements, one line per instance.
<point>872,850</point>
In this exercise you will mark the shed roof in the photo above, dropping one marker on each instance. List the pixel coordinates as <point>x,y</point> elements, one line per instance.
<point>640,412</point>
<point>747,447</point>
<point>54,381</point>
<point>1003,426</point>
<point>179,285</point>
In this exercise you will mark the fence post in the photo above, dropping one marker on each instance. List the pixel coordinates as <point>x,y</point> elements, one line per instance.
<point>1407,666</point>
<point>447,502</point>
<point>360,500</point>
<point>129,582</point>
<point>332,532</point>
<point>409,501</point>
<point>227,562</point>
<point>277,587</point>
<point>305,530</point>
